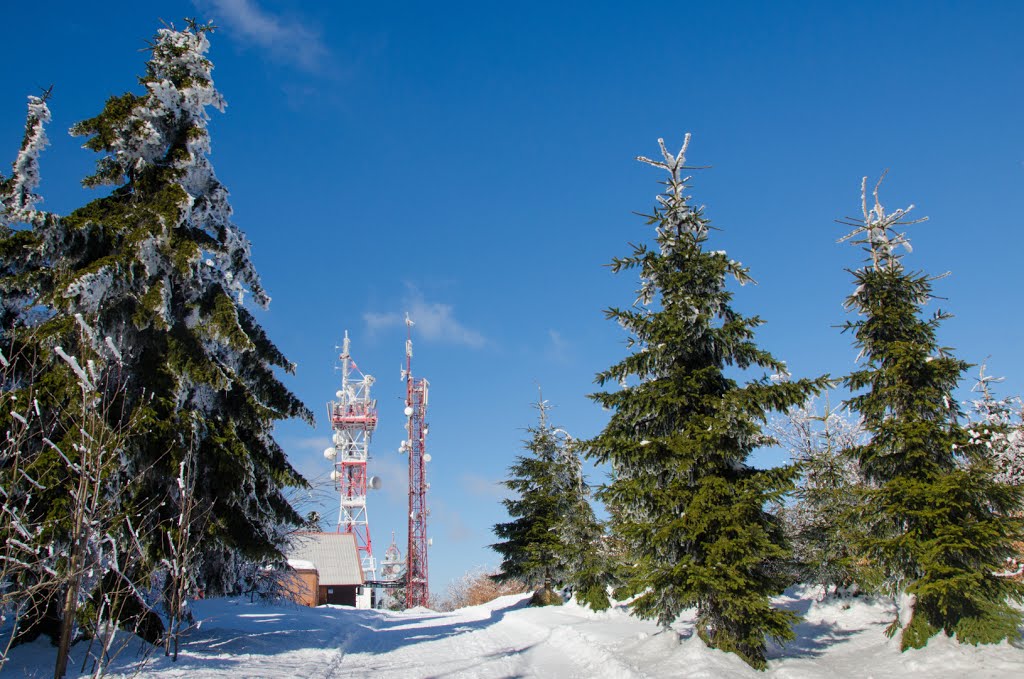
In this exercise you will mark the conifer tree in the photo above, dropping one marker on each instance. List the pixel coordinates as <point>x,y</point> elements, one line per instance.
<point>586,554</point>
<point>20,259</point>
<point>554,539</point>
<point>690,510</point>
<point>939,523</point>
<point>160,269</point>
<point>532,549</point>
<point>819,521</point>
<point>996,424</point>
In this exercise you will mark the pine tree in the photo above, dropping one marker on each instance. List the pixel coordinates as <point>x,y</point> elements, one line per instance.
<point>161,272</point>
<point>939,522</point>
<point>690,510</point>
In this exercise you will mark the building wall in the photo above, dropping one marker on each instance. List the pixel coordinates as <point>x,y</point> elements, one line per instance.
<point>339,595</point>
<point>304,587</point>
<point>364,597</point>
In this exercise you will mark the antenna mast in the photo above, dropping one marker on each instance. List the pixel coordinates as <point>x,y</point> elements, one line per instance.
<point>353,419</point>
<point>417,592</point>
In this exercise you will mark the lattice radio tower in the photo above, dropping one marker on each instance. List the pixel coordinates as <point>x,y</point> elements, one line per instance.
<point>353,418</point>
<point>417,591</point>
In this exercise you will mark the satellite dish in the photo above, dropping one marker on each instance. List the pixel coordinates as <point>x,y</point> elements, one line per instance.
<point>426,457</point>
<point>430,542</point>
<point>408,411</point>
<point>335,475</point>
<point>338,438</point>
<point>330,453</point>
<point>374,483</point>
<point>340,394</point>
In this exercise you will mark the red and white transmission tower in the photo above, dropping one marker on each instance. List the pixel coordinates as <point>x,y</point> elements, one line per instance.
<point>353,418</point>
<point>417,591</point>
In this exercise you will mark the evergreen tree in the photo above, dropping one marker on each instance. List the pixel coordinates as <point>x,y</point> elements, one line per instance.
<point>586,553</point>
<point>554,540</point>
<point>690,510</point>
<point>531,550</point>
<point>161,273</point>
<point>819,520</point>
<point>996,423</point>
<point>20,260</point>
<point>939,522</point>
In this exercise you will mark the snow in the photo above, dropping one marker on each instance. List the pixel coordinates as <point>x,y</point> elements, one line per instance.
<point>503,638</point>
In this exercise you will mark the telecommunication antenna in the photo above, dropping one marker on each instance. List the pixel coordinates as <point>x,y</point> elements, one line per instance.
<point>417,591</point>
<point>353,419</point>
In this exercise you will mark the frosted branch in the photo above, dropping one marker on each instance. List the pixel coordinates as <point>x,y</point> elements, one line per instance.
<point>83,379</point>
<point>876,230</point>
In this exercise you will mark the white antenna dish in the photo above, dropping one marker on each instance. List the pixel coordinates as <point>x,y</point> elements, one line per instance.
<point>339,394</point>
<point>335,475</point>
<point>375,483</point>
<point>426,457</point>
<point>408,411</point>
<point>330,453</point>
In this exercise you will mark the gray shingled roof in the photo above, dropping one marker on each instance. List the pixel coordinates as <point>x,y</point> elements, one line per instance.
<point>334,555</point>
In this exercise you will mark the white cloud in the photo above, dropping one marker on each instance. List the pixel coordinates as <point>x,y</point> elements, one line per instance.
<point>308,443</point>
<point>477,485</point>
<point>451,522</point>
<point>286,39</point>
<point>558,348</point>
<point>434,321</point>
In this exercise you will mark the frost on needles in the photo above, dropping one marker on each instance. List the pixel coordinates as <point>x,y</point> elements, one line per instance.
<point>689,509</point>
<point>940,522</point>
<point>147,286</point>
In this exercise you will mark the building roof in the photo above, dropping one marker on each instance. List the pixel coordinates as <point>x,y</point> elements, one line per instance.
<point>333,554</point>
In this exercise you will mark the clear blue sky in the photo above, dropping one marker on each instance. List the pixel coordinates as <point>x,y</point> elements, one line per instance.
<point>472,163</point>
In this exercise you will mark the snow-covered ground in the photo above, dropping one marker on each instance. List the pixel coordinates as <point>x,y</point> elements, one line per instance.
<point>507,638</point>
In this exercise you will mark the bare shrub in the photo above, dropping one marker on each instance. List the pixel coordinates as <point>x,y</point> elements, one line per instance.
<point>477,586</point>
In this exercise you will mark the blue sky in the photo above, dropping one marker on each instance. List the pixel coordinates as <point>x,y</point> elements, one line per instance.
<point>472,163</point>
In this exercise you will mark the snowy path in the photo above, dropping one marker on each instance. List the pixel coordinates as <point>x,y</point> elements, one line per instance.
<point>507,638</point>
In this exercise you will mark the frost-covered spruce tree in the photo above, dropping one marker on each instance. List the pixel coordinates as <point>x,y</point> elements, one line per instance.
<point>586,553</point>
<point>820,519</point>
<point>531,548</point>
<point>939,522</point>
<point>996,424</point>
<point>20,257</point>
<point>691,512</point>
<point>164,271</point>
<point>551,517</point>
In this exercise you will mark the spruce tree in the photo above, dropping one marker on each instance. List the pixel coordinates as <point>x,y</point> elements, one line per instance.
<point>940,524</point>
<point>819,518</point>
<point>531,549</point>
<point>585,550</point>
<point>161,274</point>
<point>554,539</point>
<point>689,508</point>
<point>996,424</point>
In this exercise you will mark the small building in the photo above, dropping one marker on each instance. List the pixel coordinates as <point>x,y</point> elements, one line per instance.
<point>303,582</point>
<point>328,564</point>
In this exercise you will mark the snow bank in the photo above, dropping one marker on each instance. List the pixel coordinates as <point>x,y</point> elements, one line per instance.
<point>503,638</point>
